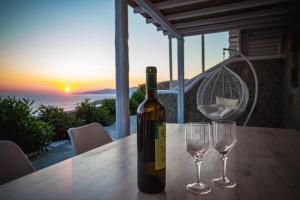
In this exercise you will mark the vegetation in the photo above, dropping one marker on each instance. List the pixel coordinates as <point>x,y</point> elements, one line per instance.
<point>138,96</point>
<point>32,132</point>
<point>60,120</point>
<point>18,124</point>
<point>142,88</point>
<point>136,99</point>
<point>133,105</point>
<point>88,111</point>
<point>110,106</point>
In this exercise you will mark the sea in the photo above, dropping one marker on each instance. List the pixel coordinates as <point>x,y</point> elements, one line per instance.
<point>66,101</point>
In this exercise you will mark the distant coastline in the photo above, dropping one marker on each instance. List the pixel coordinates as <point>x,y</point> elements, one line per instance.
<point>106,91</point>
<point>66,101</point>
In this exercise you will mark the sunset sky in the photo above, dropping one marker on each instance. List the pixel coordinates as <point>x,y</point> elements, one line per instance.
<point>60,45</point>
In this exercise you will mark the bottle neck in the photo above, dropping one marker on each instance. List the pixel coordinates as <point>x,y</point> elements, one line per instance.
<point>151,94</point>
<point>151,86</point>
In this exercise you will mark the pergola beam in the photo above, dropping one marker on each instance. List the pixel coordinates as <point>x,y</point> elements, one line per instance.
<point>229,18</point>
<point>170,4</point>
<point>239,27</point>
<point>241,22</point>
<point>157,16</point>
<point>225,26</point>
<point>218,9</point>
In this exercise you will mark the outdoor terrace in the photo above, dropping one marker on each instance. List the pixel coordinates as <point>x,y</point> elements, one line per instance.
<point>264,162</point>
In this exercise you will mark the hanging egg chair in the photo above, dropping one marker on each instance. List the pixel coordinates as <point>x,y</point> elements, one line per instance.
<point>223,95</point>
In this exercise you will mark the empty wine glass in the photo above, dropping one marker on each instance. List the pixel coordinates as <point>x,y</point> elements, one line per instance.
<point>197,138</point>
<point>223,140</point>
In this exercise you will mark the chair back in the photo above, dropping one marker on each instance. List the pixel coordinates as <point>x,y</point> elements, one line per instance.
<point>88,137</point>
<point>14,163</point>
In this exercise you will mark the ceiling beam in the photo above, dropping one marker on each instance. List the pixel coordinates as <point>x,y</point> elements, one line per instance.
<point>169,4</point>
<point>241,27</point>
<point>229,18</point>
<point>236,23</point>
<point>233,23</point>
<point>218,9</point>
<point>155,14</point>
<point>215,29</point>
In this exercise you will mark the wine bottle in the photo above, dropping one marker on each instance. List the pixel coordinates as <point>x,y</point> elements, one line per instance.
<point>151,139</point>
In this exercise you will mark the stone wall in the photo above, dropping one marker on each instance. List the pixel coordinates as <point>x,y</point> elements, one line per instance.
<point>170,103</point>
<point>292,77</point>
<point>269,111</point>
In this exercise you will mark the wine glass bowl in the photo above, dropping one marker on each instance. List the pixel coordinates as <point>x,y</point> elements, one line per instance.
<point>197,138</point>
<point>223,140</point>
<point>196,151</point>
<point>223,148</point>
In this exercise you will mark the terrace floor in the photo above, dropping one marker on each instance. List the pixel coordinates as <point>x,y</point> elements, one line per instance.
<point>62,150</point>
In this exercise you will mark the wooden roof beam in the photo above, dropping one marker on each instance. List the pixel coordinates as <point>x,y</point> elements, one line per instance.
<point>233,27</point>
<point>229,18</point>
<point>237,23</point>
<point>170,4</point>
<point>241,27</point>
<point>218,9</point>
<point>157,16</point>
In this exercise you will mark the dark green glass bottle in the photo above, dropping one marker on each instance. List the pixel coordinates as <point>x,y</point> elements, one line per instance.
<point>151,139</point>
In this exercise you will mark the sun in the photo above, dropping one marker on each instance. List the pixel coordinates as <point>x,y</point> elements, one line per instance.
<point>67,89</point>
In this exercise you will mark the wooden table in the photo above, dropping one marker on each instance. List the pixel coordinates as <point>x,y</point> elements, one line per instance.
<point>265,163</point>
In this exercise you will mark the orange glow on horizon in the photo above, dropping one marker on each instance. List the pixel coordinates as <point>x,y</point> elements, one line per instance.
<point>17,80</point>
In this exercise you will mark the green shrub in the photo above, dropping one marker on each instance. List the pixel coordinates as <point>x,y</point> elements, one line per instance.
<point>138,96</point>
<point>88,111</point>
<point>136,99</point>
<point>110,106</point>
<point>133,105</point>
<point>60,120</point>
<point>105,117</point>
<point>142,88</point>
<point>18,124</point>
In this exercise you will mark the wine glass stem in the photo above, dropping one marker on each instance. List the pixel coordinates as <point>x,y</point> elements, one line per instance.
<point>224,157</point>
<point>198,165</point>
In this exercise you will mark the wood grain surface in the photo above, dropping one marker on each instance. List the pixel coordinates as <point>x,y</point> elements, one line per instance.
<point>265,164</point>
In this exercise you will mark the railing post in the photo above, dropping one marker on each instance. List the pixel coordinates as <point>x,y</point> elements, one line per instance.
<point>203,52</point>
<point>170,63</point>
<point>122,68</point>
<point>180,85</point>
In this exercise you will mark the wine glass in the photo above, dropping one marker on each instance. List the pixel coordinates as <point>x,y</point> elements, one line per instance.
<point>197,138</point>
<point>223,140</point>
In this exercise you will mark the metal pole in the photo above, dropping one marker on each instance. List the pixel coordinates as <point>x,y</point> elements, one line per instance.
<point>255,82</point>
<point>170,63</point>
<point>180,85</point>
<point>203,52</point>
<point>122,68</point>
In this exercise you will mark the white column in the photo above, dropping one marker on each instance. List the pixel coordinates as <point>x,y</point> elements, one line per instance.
<point>122,68</point>
<point>180,96</point>
<point>203,52</point>
<point>170,63</point>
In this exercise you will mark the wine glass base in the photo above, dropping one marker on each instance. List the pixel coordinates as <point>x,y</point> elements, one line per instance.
<point>198,188</point>
<point>224,182</point>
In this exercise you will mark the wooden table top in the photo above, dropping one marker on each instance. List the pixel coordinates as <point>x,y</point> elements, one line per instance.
<point>265,164</point>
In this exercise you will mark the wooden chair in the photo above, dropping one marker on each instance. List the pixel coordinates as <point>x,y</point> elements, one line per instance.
<point>14,163</point>
<point>88,137</point>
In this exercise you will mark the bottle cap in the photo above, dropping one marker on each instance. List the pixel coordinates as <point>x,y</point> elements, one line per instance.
<point>151,69</point>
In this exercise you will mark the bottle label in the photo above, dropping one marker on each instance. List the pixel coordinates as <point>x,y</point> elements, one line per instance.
<point>160,146</point>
